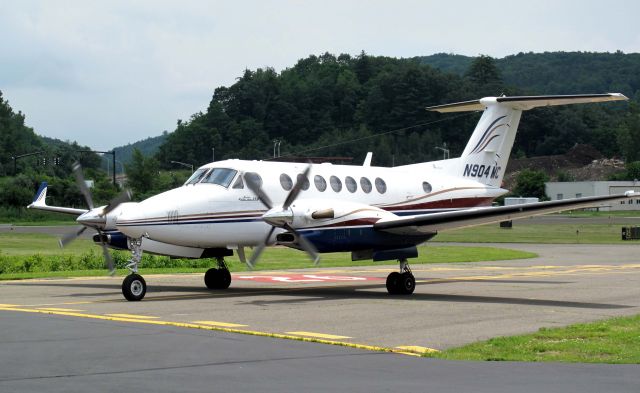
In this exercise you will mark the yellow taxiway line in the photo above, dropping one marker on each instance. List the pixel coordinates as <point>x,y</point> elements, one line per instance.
<point>187,325</point>
<point>319,335</point>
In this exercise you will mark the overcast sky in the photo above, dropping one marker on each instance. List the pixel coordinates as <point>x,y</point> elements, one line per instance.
<point>107,73</point>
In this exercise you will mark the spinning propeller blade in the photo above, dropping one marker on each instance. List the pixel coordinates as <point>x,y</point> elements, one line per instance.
<point>77,171</point>
<point>307,246</point>
<point>69,237</point>
<point>124,196</point>
<point>254,186</point>
<point>98,225</point>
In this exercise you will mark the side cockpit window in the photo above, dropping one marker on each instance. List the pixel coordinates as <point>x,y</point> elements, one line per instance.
<point>220,176</point>
<point>196,176</point>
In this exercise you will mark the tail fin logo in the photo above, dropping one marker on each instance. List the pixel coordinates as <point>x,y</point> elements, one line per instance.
<point>489,135</point>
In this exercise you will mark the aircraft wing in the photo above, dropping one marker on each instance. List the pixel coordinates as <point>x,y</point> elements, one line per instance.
<point>435,222</point>
<point>40,203</point>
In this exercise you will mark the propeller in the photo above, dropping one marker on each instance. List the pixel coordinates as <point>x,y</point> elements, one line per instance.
<point>95,217</point>
<point>280,218</point>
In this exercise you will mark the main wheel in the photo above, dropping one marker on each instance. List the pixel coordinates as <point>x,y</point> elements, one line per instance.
<point>210,278</point>
<point>406,284</point>
<point>134,287</point>
<point>393,280</point>
<point>217,278</point>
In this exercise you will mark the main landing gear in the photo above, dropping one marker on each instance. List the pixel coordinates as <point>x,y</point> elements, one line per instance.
<point>219,278</point>
<point>403,282</point>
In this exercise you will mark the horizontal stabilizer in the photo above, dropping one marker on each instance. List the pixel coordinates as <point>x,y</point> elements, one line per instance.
<point>526,102</point>
<point>40,203</point>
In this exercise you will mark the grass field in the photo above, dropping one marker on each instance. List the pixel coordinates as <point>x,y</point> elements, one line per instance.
<point>37,255</point>
<point>614,340</point>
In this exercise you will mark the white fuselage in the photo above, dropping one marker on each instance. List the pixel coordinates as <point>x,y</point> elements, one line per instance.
<point>207,215</point>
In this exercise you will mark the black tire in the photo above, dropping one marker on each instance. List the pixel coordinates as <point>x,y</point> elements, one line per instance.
<point>224,279</point>
<point>406,284</point>
<point>134,287</point>
<point>393,280</point>
<point>210,278</point>
<point>217,278</point>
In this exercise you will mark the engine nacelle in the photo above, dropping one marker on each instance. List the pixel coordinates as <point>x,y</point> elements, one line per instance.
<point>334,226</point>
<point>115,240</point>
<point>313,213</point>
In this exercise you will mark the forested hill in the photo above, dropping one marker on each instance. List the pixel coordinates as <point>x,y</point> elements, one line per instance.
<point>321,102</point>
<point>557,72</point>
<point>147,147</point>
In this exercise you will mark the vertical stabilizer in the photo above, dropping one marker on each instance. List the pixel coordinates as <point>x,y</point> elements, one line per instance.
<point>486,155</point>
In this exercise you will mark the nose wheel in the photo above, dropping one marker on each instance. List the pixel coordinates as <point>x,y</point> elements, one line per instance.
<point>403,282</point>
<point>134,287</point>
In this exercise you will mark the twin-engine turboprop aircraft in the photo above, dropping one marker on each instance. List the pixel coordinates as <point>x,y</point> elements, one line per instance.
<point>373,212</point>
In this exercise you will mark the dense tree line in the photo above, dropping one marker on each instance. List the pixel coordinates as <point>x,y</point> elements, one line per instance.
<point>52,163</point>
<point>323,101</point>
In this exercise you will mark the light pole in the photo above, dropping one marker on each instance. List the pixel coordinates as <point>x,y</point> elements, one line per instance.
<point>183,164</point>
<point>445,151</point>
<point>213,154</point>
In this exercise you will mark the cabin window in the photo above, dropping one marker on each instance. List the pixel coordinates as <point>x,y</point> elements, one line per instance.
<point>559,196</point>
<point>336,184</point>
<point>381,186</point>
<point>286,182</point>
<point>303,181</point>
<point>196,176</point>
<point>255,177</point>
<point>426,187</point>
<point>220,176</point>
<point>351,184</point>
<point>365,184</point>
<point>239,184</point>
<point>578,195</point>
<point>320,183</point>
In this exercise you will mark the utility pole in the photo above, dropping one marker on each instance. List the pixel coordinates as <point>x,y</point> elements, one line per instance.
<point>213,154</point>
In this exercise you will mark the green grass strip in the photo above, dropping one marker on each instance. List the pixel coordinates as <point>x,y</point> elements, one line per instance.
<point>615,340</point>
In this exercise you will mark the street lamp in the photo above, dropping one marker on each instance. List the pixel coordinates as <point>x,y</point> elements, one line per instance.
<point>445,151</point>
<point>183,164</point>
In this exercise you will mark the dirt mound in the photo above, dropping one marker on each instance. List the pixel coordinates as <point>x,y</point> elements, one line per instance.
<point>580,163</point>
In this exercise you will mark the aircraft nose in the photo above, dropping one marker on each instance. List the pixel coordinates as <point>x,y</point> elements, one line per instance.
<point>131,222</point>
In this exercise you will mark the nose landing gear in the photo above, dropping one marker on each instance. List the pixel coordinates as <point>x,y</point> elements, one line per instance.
<point>403,282</point>
<point>133,286</point>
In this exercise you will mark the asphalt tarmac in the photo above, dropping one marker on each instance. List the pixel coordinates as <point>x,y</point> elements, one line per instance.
<point>80,334</point>
<point>66,354</point>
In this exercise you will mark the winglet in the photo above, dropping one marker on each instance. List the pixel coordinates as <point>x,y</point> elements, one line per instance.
<point>41,195</point>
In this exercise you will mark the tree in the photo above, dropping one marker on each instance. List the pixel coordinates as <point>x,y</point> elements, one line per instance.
<point>485,76</point>
<point>530,183</point>
<point>142,174</point>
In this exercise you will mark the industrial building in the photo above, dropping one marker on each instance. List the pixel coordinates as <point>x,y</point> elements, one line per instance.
<point>565,190</point>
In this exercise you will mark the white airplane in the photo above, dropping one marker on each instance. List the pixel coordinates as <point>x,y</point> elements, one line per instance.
<point>376,213</point>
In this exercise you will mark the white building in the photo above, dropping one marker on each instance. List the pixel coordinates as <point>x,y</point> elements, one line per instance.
<point>565,190</point>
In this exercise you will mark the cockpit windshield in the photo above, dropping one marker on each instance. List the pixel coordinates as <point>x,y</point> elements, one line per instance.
<point>220,176</point>
<point>197,176</point>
